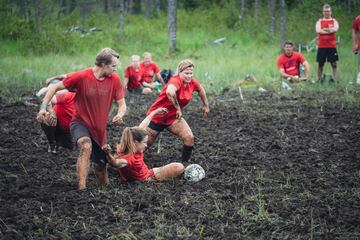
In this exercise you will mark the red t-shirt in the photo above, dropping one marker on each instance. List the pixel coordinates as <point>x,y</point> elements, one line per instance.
<point>136,168</point>
<point>149,71</point>
<point>93,100</point>
<point>183,95</point>
<point>134,77</point>
<point>327,40</point>
<point>356,27</point>
<point>64,109</point>
<point>290,64</point>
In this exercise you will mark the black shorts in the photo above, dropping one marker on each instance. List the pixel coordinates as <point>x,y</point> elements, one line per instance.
<point>77,131</point>
<point>157,127</point>
<point>327,54</point>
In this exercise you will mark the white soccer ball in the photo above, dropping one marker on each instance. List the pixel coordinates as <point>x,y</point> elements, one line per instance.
<point>194,173</point>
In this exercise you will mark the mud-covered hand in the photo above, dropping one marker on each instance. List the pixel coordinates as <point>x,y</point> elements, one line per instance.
<point>40,117</point>
<point>106,148</point>
<point>178,114</point>
<point>118,119</point>
<point>205,111</point>
<point>50,119</point>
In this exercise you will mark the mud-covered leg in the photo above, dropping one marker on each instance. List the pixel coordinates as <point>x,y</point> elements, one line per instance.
<point>83,161</point>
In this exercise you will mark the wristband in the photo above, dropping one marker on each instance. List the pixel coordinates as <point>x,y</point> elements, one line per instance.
<point>44,106</point>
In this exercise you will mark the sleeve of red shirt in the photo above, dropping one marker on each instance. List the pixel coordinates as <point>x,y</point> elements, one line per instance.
<point>176,81</point>
<point>126,72</point>
<point>355,23</point>
<point>301,58</point>
<point>60,98</point>
<point>279,64</point>
<point>72,81</point>
<point>119,89</point>
<point>196,84</point>
<point>156,68</point>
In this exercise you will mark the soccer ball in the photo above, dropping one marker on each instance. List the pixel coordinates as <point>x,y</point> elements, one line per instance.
<point>194,173</point>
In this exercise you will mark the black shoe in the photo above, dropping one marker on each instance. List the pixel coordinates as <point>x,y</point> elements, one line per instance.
<point>52,149</point>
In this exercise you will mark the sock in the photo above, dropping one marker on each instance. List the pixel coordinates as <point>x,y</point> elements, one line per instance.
<point>186,153</point>
<point>50,134</point>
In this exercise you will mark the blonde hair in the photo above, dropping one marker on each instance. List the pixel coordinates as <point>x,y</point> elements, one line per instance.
<point>104,57</point>
<point>128,138</point>
<point>135,58</point>
<point>184,64</point>
<point>147,54</point>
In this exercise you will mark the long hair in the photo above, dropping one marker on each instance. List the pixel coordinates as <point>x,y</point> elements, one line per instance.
<point>128,138</point>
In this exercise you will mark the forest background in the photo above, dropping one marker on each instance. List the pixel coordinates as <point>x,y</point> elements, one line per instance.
<point>43,38</point>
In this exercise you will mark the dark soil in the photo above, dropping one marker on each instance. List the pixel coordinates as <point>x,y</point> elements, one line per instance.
<point>278,167</point>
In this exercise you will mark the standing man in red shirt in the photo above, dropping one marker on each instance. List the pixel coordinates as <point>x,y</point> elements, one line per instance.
<point>356,36</point>
<point>326,28</point>
<point>289,64</point>
<point>176,94</point>
<point>95,88</point>
<point>150,69</point>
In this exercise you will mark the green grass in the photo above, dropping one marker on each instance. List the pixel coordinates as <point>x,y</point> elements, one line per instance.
<point>247,50</point>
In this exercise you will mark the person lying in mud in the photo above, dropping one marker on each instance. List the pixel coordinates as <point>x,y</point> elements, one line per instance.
<point>176,94</point>
<point>56,123</point>
<point>129,157</point>
<point>289,64</point>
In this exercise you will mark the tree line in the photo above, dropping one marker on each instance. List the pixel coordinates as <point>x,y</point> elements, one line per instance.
<point>39,12</point>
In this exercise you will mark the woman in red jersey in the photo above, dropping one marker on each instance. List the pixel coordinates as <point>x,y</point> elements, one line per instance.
<point>149,69</point>
<point>176,94</point>
<point>133,75</point>
<point>129,158</point>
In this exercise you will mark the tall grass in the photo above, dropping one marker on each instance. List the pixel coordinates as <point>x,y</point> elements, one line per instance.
<point>248,49</point>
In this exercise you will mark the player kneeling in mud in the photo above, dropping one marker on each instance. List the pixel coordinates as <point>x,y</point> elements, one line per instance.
<point>129,157</point>
<point>56,123</point>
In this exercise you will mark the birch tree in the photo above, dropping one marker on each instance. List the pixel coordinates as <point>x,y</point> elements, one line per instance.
<point>243,11</point>
<point>282,21</point>
<point>272,17</point>
<point>256,8</point>
<point>148,8</point>
<point>122,9</point>
<point>172,7</point>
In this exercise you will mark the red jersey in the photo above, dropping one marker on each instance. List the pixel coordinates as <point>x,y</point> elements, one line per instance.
<point>327,40</point>
<point>290,64</point>
<point>93,100</point>
<point>183,95</point>
<point>356,27</point>
<point>136,168</point>
<point>64,109</point>
<point>134,78</point>
<point>149,71</point>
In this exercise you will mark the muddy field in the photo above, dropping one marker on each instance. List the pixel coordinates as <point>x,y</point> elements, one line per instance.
<point>278,167</point>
